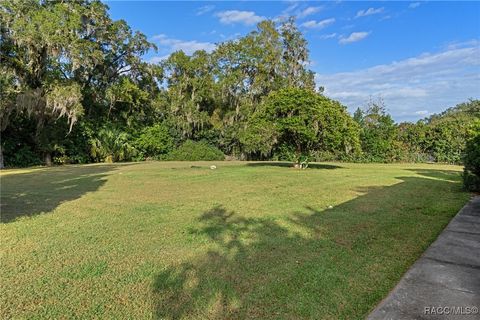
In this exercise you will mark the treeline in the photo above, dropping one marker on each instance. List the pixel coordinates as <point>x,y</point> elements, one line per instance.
<point>75,89</point>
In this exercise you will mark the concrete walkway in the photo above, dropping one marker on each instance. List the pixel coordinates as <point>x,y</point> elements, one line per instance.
<point>446,278</point>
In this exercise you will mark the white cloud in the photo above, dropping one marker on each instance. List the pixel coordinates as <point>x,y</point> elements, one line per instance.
<point>318,24</point>
<point>158,59</point>
<point>328,36</point>
<point>430,81</point>
<point>308,11</point>
<point>205,9</point>
<point>414,5</point>
<point>421,112</point>
<point>236,16</point>
<point>354,37</point>
<point>298,10</point>
<point>291,7</point>
<point>169,45</point>
<point>233,36</point>
<point>464,44</point>
<point>368,12</point>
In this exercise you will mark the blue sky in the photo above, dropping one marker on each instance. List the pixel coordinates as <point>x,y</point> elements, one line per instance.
<point>419,57</point>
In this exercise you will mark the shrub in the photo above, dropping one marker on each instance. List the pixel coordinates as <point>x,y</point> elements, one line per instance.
<point>21,157</point>
<point>155,141</point>
<point>112,145</point>
<point>195,151</point>
<point>471,182</point>
<point>471,174</point>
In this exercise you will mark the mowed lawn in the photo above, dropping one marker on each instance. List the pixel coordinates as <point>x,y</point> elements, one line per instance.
<point>174,240</point>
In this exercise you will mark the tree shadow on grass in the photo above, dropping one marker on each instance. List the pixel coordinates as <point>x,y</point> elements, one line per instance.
<point>315,263</point>
<point>290,165</point>
<point>41,191</point>
<point>447,175</point>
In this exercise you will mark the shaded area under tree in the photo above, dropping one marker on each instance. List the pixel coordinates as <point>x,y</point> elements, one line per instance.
<point>285,164</point>
<point>21,195</point>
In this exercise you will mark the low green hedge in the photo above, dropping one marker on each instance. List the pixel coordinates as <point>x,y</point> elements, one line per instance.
<point>195,151</point>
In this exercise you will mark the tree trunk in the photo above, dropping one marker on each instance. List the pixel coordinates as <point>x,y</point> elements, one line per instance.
<point>47,159</point>
<point>2,165</point>
<point>298,155</point>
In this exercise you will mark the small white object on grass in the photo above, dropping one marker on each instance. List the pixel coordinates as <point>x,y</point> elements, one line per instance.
<point>330,207</point>
<point>213,167</point>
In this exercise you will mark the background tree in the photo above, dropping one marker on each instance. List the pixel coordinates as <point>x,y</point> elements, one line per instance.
<point>190,91</point>
<point>75,89</point>
<point>304,120</point>
<point>61,54</point>
<point>8,92</point>
<point>412,144</point>
<point>378,131</point>
<point>296,57</point>
<point>449,131</point>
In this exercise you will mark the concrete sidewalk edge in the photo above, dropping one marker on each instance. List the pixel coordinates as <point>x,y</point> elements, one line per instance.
<point>444,283</point>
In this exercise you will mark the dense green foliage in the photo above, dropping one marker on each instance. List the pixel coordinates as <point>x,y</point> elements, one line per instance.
<point>75,89</point>
<point>64,61</point>
<point>439,138</point>
<point>155,141</point>
<point>304,121</point>
<point>112,145</point>
<point>377,134</point>
<point>471,173</point>
<point>450,130</point>
<point>195,151</point>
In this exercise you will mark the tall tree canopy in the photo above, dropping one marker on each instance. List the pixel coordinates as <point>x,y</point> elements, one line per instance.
<point>60,57</point>
<point>303,120</point>
<point>75,88</point>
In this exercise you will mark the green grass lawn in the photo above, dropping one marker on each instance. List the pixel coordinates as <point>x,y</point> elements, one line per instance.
<point>248,240</point>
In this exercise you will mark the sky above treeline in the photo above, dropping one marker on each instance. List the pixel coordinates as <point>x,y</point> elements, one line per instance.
<point>419,57</point>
